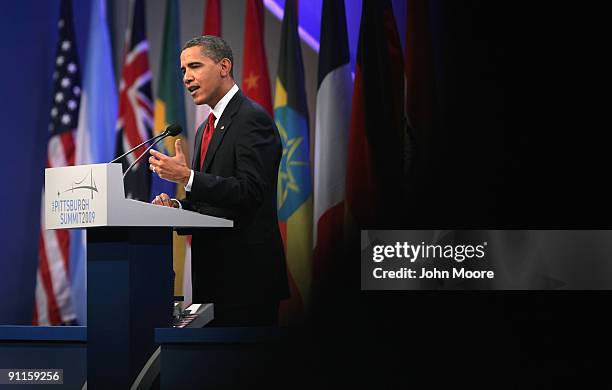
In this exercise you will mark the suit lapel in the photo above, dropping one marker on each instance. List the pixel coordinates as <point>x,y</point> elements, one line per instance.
<point>195,160</point>
<point>222,128</point>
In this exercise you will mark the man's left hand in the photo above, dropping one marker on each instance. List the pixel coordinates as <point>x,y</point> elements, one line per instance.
<point>173,169</point>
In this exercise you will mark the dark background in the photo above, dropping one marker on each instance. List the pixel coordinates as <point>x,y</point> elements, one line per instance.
<point>520,143</point>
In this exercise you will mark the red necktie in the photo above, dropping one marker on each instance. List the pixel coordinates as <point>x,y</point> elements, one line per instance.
<point>206,137</point>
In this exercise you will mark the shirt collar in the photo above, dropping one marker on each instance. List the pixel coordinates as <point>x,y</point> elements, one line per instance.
<point>221,104</point>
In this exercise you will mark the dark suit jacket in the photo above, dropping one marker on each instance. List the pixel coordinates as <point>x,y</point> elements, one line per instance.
<point>245,263</point>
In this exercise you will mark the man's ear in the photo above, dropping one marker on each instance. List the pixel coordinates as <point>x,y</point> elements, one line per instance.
<point>226,67</point>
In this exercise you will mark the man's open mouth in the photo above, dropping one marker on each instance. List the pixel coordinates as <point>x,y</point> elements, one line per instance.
<point>192,89</point>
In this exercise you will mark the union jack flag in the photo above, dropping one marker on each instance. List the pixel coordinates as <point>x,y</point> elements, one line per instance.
<point>135,122</point>
<point>53,305</point>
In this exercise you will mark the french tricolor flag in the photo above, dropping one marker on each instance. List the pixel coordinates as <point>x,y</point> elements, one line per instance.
<point>333,114</point>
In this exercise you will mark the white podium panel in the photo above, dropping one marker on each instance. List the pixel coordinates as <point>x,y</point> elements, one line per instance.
<point>86,196</point>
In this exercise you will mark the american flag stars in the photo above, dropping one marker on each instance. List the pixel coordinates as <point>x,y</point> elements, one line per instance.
<point>66,79</point>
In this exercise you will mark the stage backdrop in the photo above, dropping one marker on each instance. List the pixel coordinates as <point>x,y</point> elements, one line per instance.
<point>29,34</point>
<point>29,31</point>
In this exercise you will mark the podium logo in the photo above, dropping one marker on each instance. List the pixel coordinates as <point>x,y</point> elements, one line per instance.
<point>83,184</point>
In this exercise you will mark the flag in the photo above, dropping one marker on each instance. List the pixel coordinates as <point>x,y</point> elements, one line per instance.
<point>170,103</point>
<point>294,182</point>
<point>169,109</point>
<point>135,122</point>
<point>95,135</point>
<point>212,26</point>
<point>419,68</point>
<point>255,76</point>
<point>212,19</point>
<point>331,132</point>
<point>98,115</point>
<point>375,161</point>
<point>53,302</point>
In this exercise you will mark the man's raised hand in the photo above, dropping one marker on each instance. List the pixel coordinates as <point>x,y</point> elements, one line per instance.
<point>173,169</point>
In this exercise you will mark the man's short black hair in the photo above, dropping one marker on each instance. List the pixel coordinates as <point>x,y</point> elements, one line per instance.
<point>213,47</point>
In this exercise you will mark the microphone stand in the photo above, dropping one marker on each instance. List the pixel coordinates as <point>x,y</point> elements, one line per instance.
<point>163,135</point>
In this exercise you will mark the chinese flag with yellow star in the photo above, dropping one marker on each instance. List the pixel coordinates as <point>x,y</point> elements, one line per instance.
<point>255,78</point>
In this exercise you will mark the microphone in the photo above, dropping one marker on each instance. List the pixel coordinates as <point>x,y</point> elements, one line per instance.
<point>171,131</point>
<point>174,129</point>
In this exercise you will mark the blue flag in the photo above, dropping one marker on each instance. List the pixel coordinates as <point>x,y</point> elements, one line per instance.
<point>95,134</point>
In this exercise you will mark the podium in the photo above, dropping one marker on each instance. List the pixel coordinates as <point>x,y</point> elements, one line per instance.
<point>129,265</point>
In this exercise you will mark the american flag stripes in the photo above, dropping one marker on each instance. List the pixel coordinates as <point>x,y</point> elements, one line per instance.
<point>53,305</point>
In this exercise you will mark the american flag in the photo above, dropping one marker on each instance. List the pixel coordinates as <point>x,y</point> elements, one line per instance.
<point>135,121</point>
<point>53,305</point>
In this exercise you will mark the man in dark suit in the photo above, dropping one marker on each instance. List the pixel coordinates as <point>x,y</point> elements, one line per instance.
<point>233,174</point>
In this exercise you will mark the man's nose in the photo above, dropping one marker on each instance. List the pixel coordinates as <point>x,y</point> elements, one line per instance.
<point>187,78</point>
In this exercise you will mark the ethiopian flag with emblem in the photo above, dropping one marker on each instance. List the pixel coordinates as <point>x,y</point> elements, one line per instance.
<point>294,179</point>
